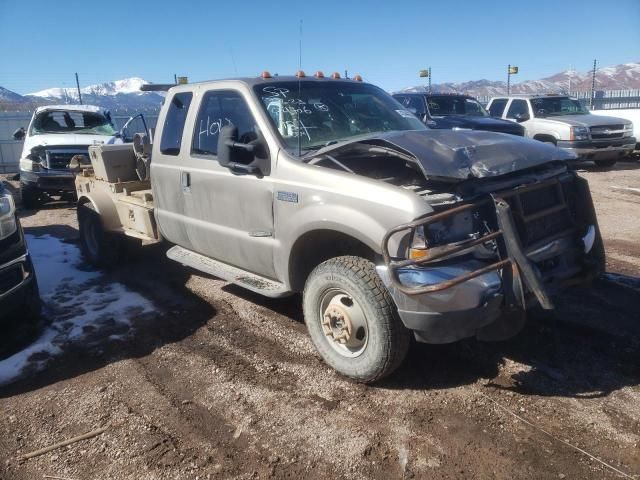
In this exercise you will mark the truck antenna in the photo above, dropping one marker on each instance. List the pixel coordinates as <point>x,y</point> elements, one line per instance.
<point>299,90</point>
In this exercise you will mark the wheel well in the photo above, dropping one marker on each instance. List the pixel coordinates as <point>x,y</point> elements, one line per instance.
<point>314,247</point>
<point>546,138</point>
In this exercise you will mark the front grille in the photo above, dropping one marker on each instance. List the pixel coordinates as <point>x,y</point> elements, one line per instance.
<point>607,131</point>
<point>59,160</point>
<point>10,278</point>
<point>541,212</point>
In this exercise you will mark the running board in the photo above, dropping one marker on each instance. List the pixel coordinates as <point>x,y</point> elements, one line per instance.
<point>248,280</point>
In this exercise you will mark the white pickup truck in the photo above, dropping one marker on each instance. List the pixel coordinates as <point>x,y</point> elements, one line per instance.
<point>564,122</point>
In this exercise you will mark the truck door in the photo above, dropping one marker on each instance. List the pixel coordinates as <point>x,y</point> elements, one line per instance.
<point>228,214</point>
<point>166,170</point>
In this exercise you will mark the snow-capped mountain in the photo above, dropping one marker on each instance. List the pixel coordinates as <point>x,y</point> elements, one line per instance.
<point>126,86</point>
<point>619,77</point>
<point>119,96</point>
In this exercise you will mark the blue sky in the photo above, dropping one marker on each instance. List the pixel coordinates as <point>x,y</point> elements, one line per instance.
<point>42,43</point>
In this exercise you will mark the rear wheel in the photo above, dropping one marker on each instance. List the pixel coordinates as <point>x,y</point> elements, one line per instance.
<point>352,319</point>
<point>606,163</point>
<point>99,247</point>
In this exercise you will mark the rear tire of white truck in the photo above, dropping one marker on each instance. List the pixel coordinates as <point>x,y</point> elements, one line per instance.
<point>353,321</point>
<point>100,248</point>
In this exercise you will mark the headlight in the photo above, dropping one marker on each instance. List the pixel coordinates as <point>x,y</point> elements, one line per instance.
<point>8,224</point>
<point>579,133</point>
<point>628,129</point>
<point>30,164</point>
<point>460,128</point>
<point>419,244</point>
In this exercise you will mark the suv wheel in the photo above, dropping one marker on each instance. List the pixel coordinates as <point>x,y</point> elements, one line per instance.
<point>99,247</point>
<point>352,319</point>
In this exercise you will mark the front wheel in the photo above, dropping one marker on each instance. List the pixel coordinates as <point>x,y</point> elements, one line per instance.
<point>99,247</point>
<point>352,319</point>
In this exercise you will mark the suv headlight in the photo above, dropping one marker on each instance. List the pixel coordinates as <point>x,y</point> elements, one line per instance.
<point>628,129</point>
<point>8,224</point>
<point>579,133</point>
<point>30,164</point>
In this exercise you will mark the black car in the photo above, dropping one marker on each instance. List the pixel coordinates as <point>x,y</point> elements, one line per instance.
<point>19,297</point>
<point>454,111</point>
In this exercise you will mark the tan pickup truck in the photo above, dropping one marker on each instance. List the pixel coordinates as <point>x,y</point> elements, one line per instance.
<point>330,188</point>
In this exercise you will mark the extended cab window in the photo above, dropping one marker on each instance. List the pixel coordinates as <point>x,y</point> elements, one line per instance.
<point>174,123</point>
<point>220,108</point>
<point>516,107</point>
<point>497,107</point>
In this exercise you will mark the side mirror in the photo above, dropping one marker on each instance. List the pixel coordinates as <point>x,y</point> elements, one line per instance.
<point>19,134</point>
<point>234,155</point>
<point>521,117</point>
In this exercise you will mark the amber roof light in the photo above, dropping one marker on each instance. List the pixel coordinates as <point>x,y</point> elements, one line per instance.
<point>335,75</point>
<point>319,74</point>
<point>265,74</point>
<point>300,74</point>
<point>357,78</point>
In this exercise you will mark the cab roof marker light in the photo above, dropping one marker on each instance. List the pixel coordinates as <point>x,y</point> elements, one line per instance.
<point>335,76</point>
<point>300,74</point>
<point>265,74</point>
<point>319,74</point>
<point>357,78</point>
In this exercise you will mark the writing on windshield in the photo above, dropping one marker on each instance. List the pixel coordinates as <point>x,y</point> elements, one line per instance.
<point>312,114</point>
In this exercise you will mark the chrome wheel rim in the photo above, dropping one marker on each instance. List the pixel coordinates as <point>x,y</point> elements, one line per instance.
<point>343,323</point>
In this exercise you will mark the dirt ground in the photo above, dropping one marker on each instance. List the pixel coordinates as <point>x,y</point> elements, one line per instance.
<point>221,383</point>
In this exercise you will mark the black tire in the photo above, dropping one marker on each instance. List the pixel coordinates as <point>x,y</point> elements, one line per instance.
<point>100,248</point>
<point>385,342</point>
<point>31,197</point>
<point>606,163</point>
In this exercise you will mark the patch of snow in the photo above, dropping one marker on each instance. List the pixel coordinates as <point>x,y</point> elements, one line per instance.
<point>85,310</point>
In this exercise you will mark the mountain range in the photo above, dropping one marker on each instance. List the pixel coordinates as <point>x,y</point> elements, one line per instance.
<point>120,96</point>
<point>125,97</point>
<point>619,77</point>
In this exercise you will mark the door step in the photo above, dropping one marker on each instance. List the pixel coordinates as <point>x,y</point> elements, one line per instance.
<point>248,280</point>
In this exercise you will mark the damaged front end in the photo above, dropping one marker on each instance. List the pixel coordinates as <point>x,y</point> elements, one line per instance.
<point>520,245</point>
<point>46,168</point>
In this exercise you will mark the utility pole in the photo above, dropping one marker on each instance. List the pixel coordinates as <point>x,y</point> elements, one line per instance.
<point>593,84</point>
<point>510,71</point>
<point>426,73</point>
<point>78,86</point>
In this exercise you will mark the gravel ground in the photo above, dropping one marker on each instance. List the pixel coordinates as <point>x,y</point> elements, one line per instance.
<point>220,383</point>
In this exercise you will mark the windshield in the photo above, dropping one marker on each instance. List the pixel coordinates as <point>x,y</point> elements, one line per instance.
<point>451,105</point>
<point>313,114</point>
<point>65,121</point>
<point>556,106</point>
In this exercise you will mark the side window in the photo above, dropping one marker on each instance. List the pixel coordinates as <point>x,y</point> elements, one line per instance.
<point>497,107</point>
<point>417,103</point>
<point>174,123</point>
<point>220,108</point>
<point>517,106</point>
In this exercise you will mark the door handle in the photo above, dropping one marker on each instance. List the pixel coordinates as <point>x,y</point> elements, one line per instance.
<point>185,180</point>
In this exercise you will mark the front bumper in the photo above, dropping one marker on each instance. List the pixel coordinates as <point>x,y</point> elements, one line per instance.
<point>445,298</point>
<point>600,149</point>
<point>18,288</point>
<point>452,314</point>
<point>49,180</point>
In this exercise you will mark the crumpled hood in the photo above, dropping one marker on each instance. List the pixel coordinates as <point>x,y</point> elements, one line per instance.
<point>587,120</point>
<point>460,155</point>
